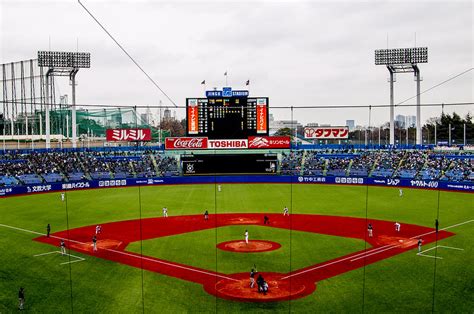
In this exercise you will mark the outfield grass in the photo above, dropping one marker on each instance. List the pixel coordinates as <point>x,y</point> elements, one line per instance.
<point>403,283</point>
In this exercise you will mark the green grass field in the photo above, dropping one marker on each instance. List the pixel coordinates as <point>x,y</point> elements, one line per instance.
<point>403,283</point>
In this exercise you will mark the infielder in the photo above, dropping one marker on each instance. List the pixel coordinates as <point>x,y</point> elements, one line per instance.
<point>48,230</point>
<point>63,247</point>
<point>397,227</point>
<point>420,241</point>
<point>98,229</point>
<point>165,212</point>
<point>206,215</point>
<point>285,211</point>
<point>370,230</point>
<point>246,235</point>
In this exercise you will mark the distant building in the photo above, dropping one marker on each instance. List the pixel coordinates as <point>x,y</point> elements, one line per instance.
<point>276,125</point>
<point>350,124</point>
<point>402,121</point>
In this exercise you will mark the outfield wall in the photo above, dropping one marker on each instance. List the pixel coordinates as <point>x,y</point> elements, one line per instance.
<point>389,182</point>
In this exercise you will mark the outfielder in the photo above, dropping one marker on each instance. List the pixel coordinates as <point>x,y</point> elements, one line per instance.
<point>165,212</point>
<point>370,230</point>
<point>420,241</point>
<point>285,211</point>
<point>62,196</point>
<point>246,235</point>
<point>400,192</point>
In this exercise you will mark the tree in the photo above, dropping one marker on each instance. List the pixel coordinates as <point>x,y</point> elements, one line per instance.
<point>285,132</point>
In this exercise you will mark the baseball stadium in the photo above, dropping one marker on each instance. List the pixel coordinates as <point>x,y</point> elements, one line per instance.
<point>228,199</point>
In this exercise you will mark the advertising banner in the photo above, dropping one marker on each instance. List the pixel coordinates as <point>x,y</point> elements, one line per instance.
<point>326,133</point>
<point>129,135</point>
<point>262,115</point>
<point>192,115</point>
<point>186,143</point>
<point>265,142</point>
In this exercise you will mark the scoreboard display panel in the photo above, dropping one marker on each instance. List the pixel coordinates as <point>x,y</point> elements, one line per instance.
<point>227,117</point>
<point>230,164</point>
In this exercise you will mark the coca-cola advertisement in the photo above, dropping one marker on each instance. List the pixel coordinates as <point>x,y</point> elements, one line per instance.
<point>186,143</point>
<point>129,135</point>
<point>266,142</point>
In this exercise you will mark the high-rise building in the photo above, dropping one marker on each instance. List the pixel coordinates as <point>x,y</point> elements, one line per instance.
<point>350,124</point>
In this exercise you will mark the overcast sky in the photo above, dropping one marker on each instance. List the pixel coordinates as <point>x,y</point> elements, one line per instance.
<point>297,53</point>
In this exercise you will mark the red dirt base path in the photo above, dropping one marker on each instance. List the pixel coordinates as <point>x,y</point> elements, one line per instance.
<point>254,246</point>
<point>115,237</point>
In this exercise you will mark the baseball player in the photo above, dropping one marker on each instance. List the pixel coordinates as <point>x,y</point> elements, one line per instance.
<point>420,241</point>
<point>98,229</point>
<point>219,188</point>
<point>165,212</point>
<point>252,278</point>
<point>400,192</point>
<point>266,220</point>
<point>246,235</point>
<point>397,227</point>
<point>21,298</point>
<point>63,247</point>
<point>94,243</point>
<point>62,196</point>
<point>370,230</point>
<point>285,211</point>
<point>48,230</point>
<point>206,215</point>
<point>436,225</point>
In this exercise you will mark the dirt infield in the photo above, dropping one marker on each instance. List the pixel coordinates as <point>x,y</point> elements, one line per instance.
<point>254,246</point>
<point>115,237</point>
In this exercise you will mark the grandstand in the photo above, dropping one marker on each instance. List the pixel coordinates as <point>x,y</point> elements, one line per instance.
<point>23,167</point>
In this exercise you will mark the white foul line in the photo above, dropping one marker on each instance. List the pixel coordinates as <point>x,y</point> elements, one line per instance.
<point>333,262</point>
<point>372,252</point>
<point>125,253</point>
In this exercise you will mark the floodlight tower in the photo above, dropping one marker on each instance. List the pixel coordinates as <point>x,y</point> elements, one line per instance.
<point>403,60</point>
<point>63,64</point>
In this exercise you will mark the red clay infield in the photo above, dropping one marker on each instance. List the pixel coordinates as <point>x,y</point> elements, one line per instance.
<point>115,237</point>
<point>254,246</point>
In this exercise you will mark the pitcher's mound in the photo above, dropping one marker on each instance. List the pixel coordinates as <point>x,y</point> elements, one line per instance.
<point>254,246</point>
<point>237,288</point>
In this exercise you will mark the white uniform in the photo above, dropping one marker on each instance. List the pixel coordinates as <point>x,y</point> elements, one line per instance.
<point>285,212</point>
<point>397,227</point>
<point>219,188</point>
<point>165,212</point>
<point>62,197</point>
<point>400,191</point>
<point>98,229</point>
<point>246,234</point>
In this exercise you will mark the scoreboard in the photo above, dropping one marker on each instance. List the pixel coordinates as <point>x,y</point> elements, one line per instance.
<point>229,164</point>
<point>227,116</point>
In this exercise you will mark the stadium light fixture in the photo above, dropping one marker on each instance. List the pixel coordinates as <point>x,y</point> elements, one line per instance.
<point>60,59</point>
<point>403,60</point>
